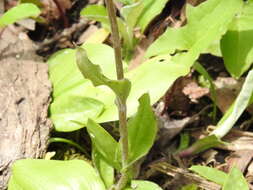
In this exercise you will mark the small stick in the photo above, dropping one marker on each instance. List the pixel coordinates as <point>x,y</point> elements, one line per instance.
<point>122,109</point>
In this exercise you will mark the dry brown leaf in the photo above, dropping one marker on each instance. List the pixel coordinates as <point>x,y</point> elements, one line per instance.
<point>240,159</point>
<point>194,91</point>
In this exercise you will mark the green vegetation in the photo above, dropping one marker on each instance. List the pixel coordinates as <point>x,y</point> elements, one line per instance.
<point>88,91</point>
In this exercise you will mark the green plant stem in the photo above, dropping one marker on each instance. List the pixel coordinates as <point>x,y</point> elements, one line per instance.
<point>121,104</point>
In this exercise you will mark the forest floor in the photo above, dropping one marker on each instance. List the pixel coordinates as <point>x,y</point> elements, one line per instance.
<point>185,111</point>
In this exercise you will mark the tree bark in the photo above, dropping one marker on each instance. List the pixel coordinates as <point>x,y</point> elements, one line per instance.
<point>24,100</point>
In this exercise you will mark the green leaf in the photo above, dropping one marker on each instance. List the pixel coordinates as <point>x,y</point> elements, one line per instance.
<point>52,174</point>
<point>97,13</point>
<point>237,108</point>
<point>93,72</point>
<point>75,111</point>
<point>68,81</point>
<point>237,43</point>
<point>190,187</point>
<point>200,69</point>
<point>143,185</point>
<point>19,12</point>
<point>142,130</point>
<point>150,11</point>
<point>105,170</point>
<point>235,181</point>
<point>104,143</point>
<point>211,174</point>
<point>184,141</point>
<point>201,30</point>
<point>202,145</point>
<point>132,12</point>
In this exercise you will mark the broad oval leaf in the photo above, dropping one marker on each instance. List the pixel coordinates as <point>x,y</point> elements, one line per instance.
<point>104,143</point>
<point>235,181</point>
<point>237,43</point>
<point>151,76</point>
<point>51,174</point>
<point>211,174</point>
<point>142,130</point>
<point>19,12</point>
<point>75,111</point>
<point>143,185</point>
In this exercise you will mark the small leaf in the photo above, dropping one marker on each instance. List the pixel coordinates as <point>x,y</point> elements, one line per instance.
<point>97,13</point>
<point>237,43</point>
<point>105,170</point>
<point>142,130</point>
<point>143,185</point>
<point>211,174</point>
<point>150,11</point>
<point>52,174</point>
<point>19,12</point>
<point>235,181</point>
<point>104,143</point>
<point>93,72</point>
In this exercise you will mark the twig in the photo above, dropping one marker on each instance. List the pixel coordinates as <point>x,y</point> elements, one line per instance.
<point>121,104</point>
<point>65,33</point>
<point>184,175</point>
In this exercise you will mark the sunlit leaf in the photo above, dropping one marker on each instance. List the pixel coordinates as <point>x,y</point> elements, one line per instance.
<point>75,111</point>
<point>211,174</point>
<point>237,108</point>
<point>99,13</point>
<point>201,30</point>
<point>237,43</point>
<point>52,174</point>
<point>141,130</point>
<point>150,11</point>
<point>235,181</point>
<point>68,81</point>
<point>19,12</point>
<point>132,12</point>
